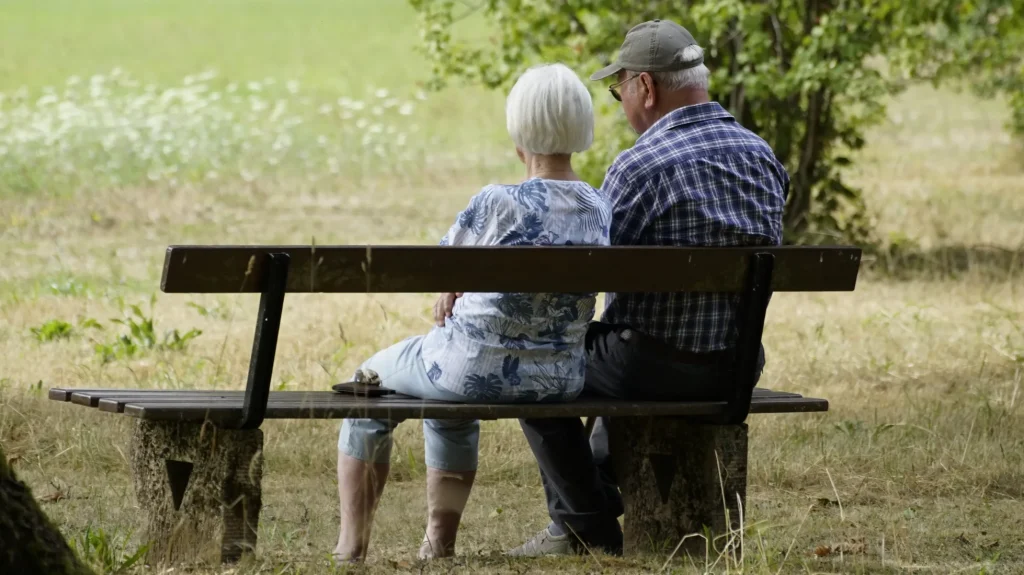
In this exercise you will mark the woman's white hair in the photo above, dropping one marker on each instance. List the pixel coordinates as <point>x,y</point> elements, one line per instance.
<point>698,77</point>
<point>549,111</point>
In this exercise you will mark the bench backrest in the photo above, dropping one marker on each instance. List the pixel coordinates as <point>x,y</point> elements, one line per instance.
<point>416,269</point>
<point>754,272</point>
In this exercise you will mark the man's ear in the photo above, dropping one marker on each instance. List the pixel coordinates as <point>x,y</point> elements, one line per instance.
<point>522,156</point>
<point>651,99</point>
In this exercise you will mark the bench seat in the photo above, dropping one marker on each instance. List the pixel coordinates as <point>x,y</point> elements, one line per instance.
<point>225,407</point>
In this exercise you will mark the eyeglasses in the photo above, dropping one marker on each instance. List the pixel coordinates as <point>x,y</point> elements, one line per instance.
<point>618,98</point>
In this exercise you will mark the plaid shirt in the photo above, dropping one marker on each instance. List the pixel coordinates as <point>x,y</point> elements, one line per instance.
<point>695,178</point>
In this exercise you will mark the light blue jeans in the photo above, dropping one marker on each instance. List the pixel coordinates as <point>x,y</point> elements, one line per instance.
<point>450,445</point>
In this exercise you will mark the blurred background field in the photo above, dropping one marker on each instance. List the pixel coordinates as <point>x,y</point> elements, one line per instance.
<point>128,125</point>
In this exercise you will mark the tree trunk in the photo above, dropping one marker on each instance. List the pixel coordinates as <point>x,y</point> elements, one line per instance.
<point>799,206</point>
<point>29,542</point>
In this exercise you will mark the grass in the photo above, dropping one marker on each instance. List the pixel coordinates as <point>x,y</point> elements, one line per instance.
<point>917,468</point>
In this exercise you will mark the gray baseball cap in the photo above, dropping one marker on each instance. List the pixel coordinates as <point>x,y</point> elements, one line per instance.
<point>655,46</point>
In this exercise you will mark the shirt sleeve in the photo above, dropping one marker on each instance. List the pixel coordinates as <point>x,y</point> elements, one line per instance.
<point>626,197</point>
<point>474,225</point>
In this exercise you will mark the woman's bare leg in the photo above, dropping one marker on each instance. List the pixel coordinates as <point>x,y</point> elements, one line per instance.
<point>447,493</point>
<point>360,485</point>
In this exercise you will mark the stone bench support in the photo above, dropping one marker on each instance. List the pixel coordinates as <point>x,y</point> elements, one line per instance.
<point>679,479</point>
<point>199,489</point>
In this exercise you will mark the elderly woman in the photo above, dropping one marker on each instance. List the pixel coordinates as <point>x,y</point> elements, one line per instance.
<point>488,347</point>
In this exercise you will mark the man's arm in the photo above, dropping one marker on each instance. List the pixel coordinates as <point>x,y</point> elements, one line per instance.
<point>629,205</point>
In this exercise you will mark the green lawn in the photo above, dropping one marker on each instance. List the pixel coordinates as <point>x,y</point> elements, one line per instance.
<point>333,45</point>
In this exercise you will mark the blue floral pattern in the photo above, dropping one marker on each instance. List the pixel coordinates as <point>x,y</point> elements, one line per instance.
<point>519,346</point>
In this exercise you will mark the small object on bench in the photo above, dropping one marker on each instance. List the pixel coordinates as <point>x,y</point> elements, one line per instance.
<point>362,389</point>
<point>197,454</point>
<point>367,377</point>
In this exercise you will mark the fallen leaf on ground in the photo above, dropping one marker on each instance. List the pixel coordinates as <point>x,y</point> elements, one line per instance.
<point>53,497</point>
<point>826,502</point>
<point>853,547</point>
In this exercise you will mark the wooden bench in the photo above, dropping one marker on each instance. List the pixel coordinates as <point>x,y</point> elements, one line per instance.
<point>196,455</point>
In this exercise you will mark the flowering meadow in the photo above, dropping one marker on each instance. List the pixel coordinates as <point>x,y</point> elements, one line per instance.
<point>111,129</point>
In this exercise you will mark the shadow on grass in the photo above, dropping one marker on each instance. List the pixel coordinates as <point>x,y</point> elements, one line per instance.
<point>944,262</point>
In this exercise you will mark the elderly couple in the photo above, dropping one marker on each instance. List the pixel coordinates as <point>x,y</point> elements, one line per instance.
<point>695,177</point>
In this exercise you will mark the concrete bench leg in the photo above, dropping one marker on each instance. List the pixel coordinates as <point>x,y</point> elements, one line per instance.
<point>198,488</point>
<point>677,478</point>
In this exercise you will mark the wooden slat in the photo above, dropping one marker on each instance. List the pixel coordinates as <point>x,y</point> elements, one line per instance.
<point>417,269</point>
<point>92,397</point>
<point>228,412</point>
<point>64,394</point>
<point>224,407</point>
<point>115,404</point>
<point>114,400</point>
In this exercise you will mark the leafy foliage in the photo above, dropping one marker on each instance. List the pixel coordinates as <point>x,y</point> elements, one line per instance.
<point>984,41</point>
<point>807,75</point>
<point>109,553</point>
<point>142,336</point>
<point>53,329</point>
<point>57,329</point>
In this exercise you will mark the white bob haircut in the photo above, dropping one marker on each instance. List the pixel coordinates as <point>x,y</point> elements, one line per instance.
<point>549,112</point>
<point>698,77</point>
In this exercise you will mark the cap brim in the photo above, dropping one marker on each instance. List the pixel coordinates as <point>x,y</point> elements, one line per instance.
<point>606,72</point>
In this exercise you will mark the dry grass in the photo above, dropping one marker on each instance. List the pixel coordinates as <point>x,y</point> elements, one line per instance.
<point>923,443</point>
<point>919,466</point>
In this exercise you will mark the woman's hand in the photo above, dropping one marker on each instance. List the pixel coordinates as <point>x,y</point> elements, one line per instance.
<point>444,306</point>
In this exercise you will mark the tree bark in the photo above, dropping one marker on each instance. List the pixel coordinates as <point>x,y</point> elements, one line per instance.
<point>799,207</point>
<point>29,542</point>
<point>680,482</point>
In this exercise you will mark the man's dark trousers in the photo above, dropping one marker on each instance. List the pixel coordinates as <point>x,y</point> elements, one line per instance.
<point>579,483</point>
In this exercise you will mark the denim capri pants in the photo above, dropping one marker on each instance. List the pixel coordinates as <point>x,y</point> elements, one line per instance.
<point>450,445</point>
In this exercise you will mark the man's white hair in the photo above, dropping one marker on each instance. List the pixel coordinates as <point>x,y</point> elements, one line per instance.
<point>549,111</point>
<point>698,77</point>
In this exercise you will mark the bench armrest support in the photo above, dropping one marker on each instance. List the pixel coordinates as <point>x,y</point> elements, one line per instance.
<point>264,343</point>
<point>750,321</point>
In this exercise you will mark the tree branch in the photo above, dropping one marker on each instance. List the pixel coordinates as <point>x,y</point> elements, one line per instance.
<point>574,18</point>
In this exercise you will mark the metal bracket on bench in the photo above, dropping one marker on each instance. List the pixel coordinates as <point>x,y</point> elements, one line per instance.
<point>750,321</point>
<point>264,343</point>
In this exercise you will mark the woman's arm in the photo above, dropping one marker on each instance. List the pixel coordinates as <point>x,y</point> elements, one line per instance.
<point>473,226</point>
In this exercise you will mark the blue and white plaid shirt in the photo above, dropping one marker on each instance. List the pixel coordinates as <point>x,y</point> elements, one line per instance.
<point>695,178</point>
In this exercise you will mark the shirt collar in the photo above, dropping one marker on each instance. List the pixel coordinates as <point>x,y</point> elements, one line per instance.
<point>685,116</point>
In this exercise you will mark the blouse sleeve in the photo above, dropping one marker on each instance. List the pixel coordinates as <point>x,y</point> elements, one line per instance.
<point>477,224</point>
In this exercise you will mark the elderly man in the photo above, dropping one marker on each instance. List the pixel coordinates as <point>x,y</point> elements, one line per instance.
<point>695,177</point>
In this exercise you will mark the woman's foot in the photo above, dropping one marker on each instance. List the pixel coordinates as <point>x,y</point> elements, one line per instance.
<point>360,485</point>
<point>447,493</point>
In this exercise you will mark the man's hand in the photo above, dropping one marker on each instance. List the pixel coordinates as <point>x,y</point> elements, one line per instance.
<point>444,306</point>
